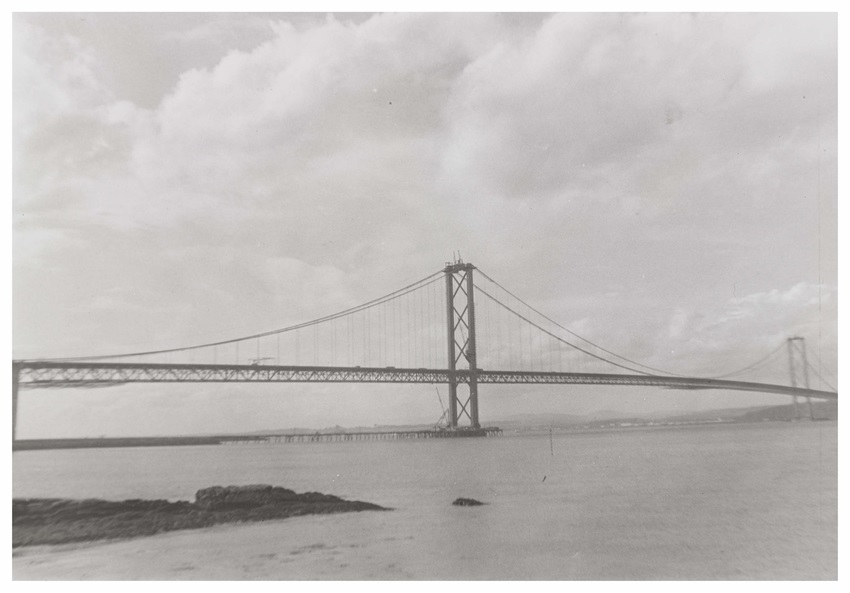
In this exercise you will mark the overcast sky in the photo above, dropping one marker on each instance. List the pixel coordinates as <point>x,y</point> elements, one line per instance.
<point>664,183</point>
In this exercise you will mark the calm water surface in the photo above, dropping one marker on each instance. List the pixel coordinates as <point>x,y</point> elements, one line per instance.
<point>707,502</point>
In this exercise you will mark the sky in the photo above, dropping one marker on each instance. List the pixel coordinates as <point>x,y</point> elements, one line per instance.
<point>665,184</point>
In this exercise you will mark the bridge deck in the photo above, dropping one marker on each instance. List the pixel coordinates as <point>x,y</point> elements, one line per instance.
<point>40,373</point>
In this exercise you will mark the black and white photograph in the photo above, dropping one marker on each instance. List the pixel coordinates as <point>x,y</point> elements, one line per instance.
<point>424,296</point>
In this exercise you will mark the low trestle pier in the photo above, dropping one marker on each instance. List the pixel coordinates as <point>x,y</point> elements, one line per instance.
<point>340,437</point>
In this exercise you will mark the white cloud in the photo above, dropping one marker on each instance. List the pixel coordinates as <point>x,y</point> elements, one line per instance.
<point>744,329</point>
<point>666,161</point>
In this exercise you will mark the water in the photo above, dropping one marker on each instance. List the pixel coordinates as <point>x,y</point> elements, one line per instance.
<point>707,502</point>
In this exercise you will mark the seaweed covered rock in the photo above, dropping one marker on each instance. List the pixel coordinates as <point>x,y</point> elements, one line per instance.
<point>467,502</point>
<point>55,521</point>
<point>318,497</point>
<point>243,497</point>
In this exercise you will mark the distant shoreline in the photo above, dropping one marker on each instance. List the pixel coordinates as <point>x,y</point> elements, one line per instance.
<point>275,438</point>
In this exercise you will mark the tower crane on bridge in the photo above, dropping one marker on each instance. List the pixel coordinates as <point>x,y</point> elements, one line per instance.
<point>444,416</point>
<point>258,361</point>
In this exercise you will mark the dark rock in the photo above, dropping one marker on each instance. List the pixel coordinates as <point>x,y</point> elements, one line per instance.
<point>467,502</point>
<point>56,521</point>
<point>318,497</point>
<point>243,497</point>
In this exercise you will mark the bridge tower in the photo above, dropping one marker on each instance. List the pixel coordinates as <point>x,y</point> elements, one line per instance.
<point>16,375</point>
<point>460,325</point>
<point>798,367</point>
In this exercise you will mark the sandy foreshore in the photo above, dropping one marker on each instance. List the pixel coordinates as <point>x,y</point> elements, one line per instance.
<point>347,546</point>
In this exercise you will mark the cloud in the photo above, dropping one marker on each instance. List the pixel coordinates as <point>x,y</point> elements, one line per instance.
<point>593,93</point>
<point>727,338</point>
<point>573,117</point>
<point>626,173</point>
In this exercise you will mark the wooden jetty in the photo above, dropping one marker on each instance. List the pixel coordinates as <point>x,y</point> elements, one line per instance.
<point>317,437</point>
<point>339,437</point>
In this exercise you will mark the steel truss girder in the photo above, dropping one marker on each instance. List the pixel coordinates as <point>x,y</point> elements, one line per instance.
<point>104,374</point>
<point>88,374</point>
<point>508,377</point>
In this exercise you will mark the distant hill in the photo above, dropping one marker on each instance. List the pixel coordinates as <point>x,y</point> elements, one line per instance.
<point>821,411</point>
<point>601,418</point>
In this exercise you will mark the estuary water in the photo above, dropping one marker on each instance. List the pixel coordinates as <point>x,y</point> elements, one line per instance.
<point>746,501</point>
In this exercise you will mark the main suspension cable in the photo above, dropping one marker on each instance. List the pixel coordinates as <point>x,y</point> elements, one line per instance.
<point>739,371</point>
<point>560,339</point>
<point>751,366</point>
<point>549,319</point>
<point>362,307</point>
<point>819,376</point>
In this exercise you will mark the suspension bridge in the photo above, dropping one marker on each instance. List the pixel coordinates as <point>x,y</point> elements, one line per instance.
<point>457,327</point>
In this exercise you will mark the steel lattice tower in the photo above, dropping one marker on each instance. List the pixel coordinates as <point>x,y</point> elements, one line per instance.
<point>798,367</point>
<point>460,325</point>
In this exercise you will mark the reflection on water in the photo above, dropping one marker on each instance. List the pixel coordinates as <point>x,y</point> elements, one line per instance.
<point>710,502</point>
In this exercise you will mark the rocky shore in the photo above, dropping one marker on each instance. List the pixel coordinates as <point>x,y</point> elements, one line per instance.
<point>37,521</point>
